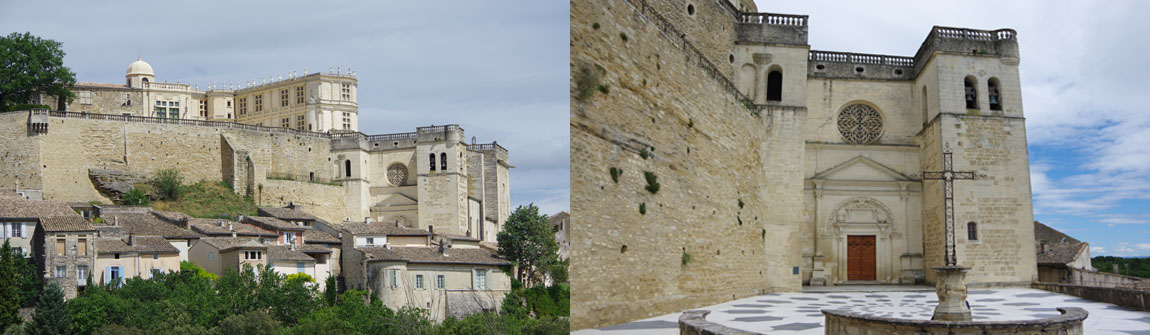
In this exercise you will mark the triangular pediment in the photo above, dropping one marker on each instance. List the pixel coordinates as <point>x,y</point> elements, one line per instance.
<point>861,168</point>
<point>396,200</point>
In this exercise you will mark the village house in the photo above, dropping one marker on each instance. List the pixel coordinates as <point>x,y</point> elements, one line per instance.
<point>137,256</point>
<point>64,251</point>
<point>217,254</point>
<point>317,232</point>
<point>143,221</point>
<point>446,275</point>
<point>20,217</point>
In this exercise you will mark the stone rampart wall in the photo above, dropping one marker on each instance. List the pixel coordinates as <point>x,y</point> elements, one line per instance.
<point>724,221</point>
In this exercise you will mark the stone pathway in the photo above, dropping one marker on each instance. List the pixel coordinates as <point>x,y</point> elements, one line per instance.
<point>799,313</point>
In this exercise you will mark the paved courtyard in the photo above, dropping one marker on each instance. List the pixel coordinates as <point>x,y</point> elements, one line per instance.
<point>798,313</point>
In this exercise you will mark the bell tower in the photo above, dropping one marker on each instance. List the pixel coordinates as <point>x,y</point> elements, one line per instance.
<point>139,72</point>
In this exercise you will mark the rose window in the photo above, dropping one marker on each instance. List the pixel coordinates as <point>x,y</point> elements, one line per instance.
<point>860,124</point>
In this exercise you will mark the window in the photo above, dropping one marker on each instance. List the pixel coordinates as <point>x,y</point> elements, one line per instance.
<point>18,250</point>
<point>439,281</point>
<point>480,279</point>
<point>259,103</point>
<point>17,230</point>
<point>299,95</point>
<point>82,246</point>
<point>289,238</point>
<point>299,122</point>
<point>992,92</point>
<point>432,158</point>
<point>203,108</point>
<point>114,275</point>
<point>370,241</point>
<point>60,251</point>
<point>85,97</point>
<point>925,112</point>
<point>775,86</point>
<point>285,122</point>
<point>300,266</point>
<point>229,104</point>
<point>393,276</point>
<point>347,168</point>
<point>972,231</point>
<point>243,102</point>
<point>168,109</point>
<point>82,274</point>
<point>418,281</point>
<point>284,98</point>
<point>347,120</point>
<point>443,161</point>
<point>970,92</point>
<point>61,271</point>
<point>116,256</point>
<point>125,99</point>
<point>155,255</point>
<point>211,255</point>
<point>345,91</point>
<point>253,255</point>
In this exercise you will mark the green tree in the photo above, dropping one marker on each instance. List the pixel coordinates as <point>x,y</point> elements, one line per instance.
<point>251,323</point>
<point>51,316</point>
<point>9,287</point>
<point>135,197</point>
<point>28,281</point>
<point>330,291</point>
<point>528,241</point>
<point>168,183</point>
<point>30,65</point>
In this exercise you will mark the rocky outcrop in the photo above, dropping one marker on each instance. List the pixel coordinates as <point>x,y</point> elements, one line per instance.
<point>112,183</point>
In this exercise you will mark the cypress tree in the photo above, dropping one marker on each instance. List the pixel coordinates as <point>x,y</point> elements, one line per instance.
<point>51,314</point>
<point>9,288</point>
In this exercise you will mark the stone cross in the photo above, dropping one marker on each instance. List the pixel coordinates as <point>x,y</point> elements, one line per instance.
<point>947,176</point>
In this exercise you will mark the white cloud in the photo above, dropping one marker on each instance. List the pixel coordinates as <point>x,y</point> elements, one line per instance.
<point>1097,250</point>
<point>1142,246</point>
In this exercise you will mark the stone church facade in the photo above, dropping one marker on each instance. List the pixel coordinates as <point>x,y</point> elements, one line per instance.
<point>289,141</point>
<point>781,166</point>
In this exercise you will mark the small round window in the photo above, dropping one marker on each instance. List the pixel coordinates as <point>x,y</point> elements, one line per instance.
<point>860,124</point>
<point>397,174</point>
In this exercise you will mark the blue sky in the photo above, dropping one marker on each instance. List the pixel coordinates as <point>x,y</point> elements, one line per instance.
<point>499,70</point>
<point>1084,84</point>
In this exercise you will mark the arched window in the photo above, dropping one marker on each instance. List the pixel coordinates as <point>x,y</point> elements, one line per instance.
<point>347,168</point>
<point>970,92</point>
<point>971,231</point>
<point>443,161</point>
<point>144,79</point>
<point>432,158</point>
<point>992,93</point>
<point>775,85</point>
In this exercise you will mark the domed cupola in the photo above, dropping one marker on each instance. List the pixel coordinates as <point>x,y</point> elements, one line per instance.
<point>139,72</point>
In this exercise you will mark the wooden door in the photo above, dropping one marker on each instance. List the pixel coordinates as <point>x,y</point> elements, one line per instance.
<point>860,257</point>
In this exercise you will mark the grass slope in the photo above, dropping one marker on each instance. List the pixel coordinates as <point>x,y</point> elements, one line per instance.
<point>208,200</point>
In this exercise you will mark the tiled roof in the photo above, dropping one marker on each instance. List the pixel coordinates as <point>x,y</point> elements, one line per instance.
<point>285,213</point>
<point>1059,253</point>
<point>21,208</point>
<point>123,209</point>
<point>154,244</point>
<point>148,224</point>
<point>432,255</point>
<point>457,237</point>
<point>318,236</point>
<point>312,249</point>
<point>112,246</point>
<point>559,217</point>
<point>1043,232</point>
<point>66,223</point>
<point>211,227</point>
<point>284,253</point>
<point>171,217</point>
<point>228,243</point>
<point>272,223</point>
<point>380,228</point>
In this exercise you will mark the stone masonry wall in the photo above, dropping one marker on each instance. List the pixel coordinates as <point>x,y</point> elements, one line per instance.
<point>638,254</point>
<point>20,157</point>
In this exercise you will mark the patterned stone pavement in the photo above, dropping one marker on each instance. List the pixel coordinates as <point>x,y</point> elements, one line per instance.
<point>799,313</point>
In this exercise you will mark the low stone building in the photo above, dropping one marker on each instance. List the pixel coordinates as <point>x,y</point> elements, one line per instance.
<point>64,250</point>
<point>300,258</point>
<point>561,224</point>
<point>144,221</point>
<point>20,217</point>
<point>136,256</point>
<point>1059,255</point>
<point>217,254</point>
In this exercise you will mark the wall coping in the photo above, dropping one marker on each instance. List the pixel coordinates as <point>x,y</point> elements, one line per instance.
<point>694,322</point>
<point>1069,315</point>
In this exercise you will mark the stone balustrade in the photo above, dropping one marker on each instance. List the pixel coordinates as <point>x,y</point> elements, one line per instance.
<point>857,58</point>
<point>774,19</point>
<point>493,146</point>
<point>167,86</point>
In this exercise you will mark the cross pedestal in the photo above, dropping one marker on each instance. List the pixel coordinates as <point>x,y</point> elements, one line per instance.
<point>951,288</point>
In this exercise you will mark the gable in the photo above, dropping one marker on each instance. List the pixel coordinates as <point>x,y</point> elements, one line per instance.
<point>396,200</point>
<point>861,169</point>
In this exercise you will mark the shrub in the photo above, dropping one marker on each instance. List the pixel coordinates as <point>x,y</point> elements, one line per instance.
<point>135,197</point>
<point>587,81</point>
<point>299,277</point>
<point>652,184</point>
<point>615,173</point>
<point>168,183</point>
<point>686,258</point>
<point>643,208</point>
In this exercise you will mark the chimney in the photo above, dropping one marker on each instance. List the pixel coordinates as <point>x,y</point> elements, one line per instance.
<point>367,219</point>
<point>292,246</point>
<point>219,222</point>
<point>231,227</point>
<point>443,248</point>
<point>132,239</point>
<point>1044,247</point>
<point>115,220</point>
